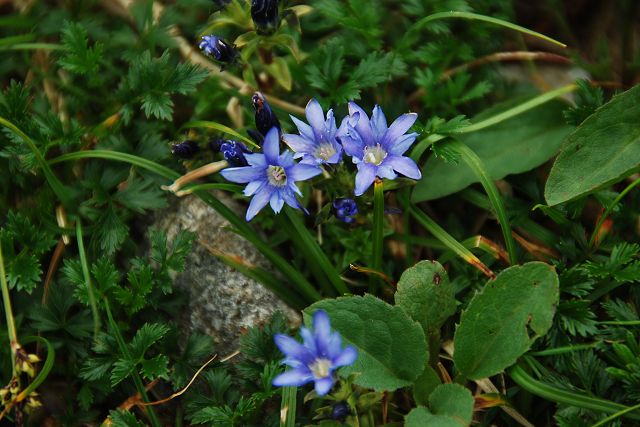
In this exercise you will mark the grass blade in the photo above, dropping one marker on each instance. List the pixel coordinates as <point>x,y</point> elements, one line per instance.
<point>288,407</point>
<point>473,161</point>
<point>221,128</point>
<point>378,227</point>
<point>87,279</point>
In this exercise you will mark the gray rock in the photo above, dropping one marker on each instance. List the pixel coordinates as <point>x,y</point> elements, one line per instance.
<point>222,301</point>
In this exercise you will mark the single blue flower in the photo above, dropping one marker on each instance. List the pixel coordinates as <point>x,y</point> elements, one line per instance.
<point>316,142</point>
<point>377,149</point>
<point>185,149</point>
<point>264,115</point>
<point>234,153</point>
<point>345,209</point>
<point>271,177</point>
<point>317,358</point>
<point>218,48</point>
<point>265,16</point>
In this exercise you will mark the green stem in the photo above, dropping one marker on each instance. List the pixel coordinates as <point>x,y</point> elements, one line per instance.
<point>124,349</point>
<point>477,166</point>
<point>607,211</point>
<point>378,226</point>
<point>11,324</point>
<point>448,240</point>
<point>288,407</point>
<point>476,17</point>
<point>572,398</point>
<point>87,279</point>
<point>563,350</point>
<point>616,415</point>
<point>316,254</point>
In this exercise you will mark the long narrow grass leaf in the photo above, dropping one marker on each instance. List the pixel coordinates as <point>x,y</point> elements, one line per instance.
<point>87,279</point>
<point>221,128</point>
<point>288,407</point>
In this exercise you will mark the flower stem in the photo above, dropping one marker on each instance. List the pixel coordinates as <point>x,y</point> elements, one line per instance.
<point>11,324</point>
<point>87,279</point>
<point>378,225</point>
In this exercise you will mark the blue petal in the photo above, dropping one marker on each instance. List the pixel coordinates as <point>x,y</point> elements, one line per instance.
<point>258,202</point>
<point>364,178</point>
<point>330,124</point>
<point>298,143</point>
<point>323,385</point>
<point>256,159</point>
<point>322,331</point>
<point>243,174</point>
<point>315,117</point>
<point>379,122</point>
<point>276,201</point>
<point>346,357</point>
<point>253,187</point>
<point>402,144</point>
<point>385,171</point>
<point>271,146</point>
<point>309,340</point>
<point>403,165</point>
<point>303,128</point>
<point>302,172</point>
<point>293,349</point>
<point>363,126</point>
<point>293,377</point>
<point>397,129</point>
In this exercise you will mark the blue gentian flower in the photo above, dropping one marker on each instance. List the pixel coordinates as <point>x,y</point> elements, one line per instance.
<point>316,142</point>
<point>265,16</point>
<point>271,177</point>
<point>377,149</point>
<point>265,117</point>
<point>218,48</point>
<point>185,149</point>
<point>345,209</point>
<point>317,358</point>
<point>234,152</point>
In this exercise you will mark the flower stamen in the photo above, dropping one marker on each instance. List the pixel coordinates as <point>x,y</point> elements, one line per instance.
<point>320,368</point>
<point>276,176</point>
<point>375,154</point>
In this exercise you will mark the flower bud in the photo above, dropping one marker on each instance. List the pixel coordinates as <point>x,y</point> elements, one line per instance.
<point>265,16</point>
<point>265,117</point>
<point>185,149</point>
<point>218,48</point>
<point>234,152</point>
<point>340,411</point>
<point>345,209</point>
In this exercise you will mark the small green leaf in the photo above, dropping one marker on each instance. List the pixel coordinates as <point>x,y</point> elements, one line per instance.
<point>146,336</point>
<point>392,350</point>
<point>504,319</point>
<point>424,385</point>
<point>121,370</point>
<point>155,367</point>
<point>425,293</point>
<point>23,273</point>
<point>604,149</point>
<point>450,405</point>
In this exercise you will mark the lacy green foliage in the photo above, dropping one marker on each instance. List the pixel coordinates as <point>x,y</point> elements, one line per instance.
<point>588,99</point>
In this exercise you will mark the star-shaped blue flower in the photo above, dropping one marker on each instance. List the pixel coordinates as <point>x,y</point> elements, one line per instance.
<point>377,149</point>
<point>317,358</point>
<point>316,142</point>
<point>271,177</point>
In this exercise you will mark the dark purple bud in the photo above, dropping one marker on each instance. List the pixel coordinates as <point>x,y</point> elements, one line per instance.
<point>219,49</point>
<point>265,117</point>
<point>256,136</point>
<point>340,411</point>
<point>185,149</point>
<point>345,209</point>
<point>215,143</point>
<point>234,152</point>
<point>265,16</point>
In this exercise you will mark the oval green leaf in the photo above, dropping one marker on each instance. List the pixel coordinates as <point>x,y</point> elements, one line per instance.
<point>392,349</point>
<point>425,293</point>
<point>604,149</point>
<point>515,145</point>
<point>502,321</point>
<point>450,405</point>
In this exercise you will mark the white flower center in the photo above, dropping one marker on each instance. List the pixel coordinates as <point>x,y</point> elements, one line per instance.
<point>374,154</point>
<point>320,368</point>
<point>325,151</point>
<point>276,176</point>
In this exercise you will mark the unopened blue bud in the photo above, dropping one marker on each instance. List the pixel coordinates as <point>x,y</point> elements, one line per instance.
<point>234,152</point>
<point>265,117</point>
<point>340,411</point>
<point>265,16</point>
<point>185,149</point>
<point>219,49</point>
<point>345,209</point>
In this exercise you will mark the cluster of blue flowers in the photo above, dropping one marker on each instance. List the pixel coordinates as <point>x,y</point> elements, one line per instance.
<point>374,147</point>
